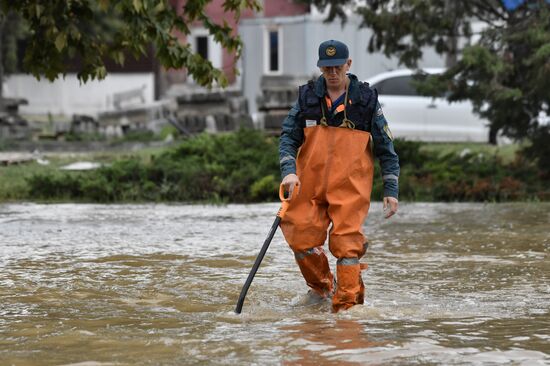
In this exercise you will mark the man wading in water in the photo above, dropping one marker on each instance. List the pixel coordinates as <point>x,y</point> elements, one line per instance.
<point>330,179</point>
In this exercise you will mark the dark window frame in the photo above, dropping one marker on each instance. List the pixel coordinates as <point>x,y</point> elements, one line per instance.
<point>273,51</point>
<point>201,46</point>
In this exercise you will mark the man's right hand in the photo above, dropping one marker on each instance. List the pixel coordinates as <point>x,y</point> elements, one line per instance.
<point>291,182</point>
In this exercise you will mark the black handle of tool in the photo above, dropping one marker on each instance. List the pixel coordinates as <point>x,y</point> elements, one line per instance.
<point>284,207</point>
<point>256,265</point>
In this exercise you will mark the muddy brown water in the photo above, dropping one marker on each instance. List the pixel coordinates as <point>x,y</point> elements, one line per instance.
<point>95,285</point>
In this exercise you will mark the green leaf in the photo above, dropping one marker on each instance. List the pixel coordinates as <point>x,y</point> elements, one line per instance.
<point>39,10</point>
<point>160,7</point>
<point>74,33</point>
<point>119,57</point>
<point>104,4</point>
<point>101,72</point>
<point>61,41</point>
<point>138,5</point>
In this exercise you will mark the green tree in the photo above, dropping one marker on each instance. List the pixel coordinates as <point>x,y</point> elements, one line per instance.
<point>93,31</point>
<point>11,30</point>
<point>497,58</point>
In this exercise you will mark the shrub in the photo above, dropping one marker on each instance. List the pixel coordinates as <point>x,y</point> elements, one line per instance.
<point>265,189</point>
<point>539,150</point>
<point>243,167</point>
<point>54,186</point>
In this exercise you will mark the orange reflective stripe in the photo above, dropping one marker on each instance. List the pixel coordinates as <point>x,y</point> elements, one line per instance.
<point>329,102</point>
<point>339,109</point>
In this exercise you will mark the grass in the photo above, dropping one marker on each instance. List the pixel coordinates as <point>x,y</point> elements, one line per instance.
<point>12,177</point>
<point>144,154</point>
<point>506,152</point>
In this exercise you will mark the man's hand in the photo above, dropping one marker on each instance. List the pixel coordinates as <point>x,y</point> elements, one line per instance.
<point>291,182</point>
<point>390,206</point>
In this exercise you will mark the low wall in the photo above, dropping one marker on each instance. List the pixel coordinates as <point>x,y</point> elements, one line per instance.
<point>67,96</point>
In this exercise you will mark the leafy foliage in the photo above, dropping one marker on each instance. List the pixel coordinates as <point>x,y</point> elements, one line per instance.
<point>11,31</point>
<point>243,167</point>
<point>93,31</point>
<point>467,176</point>
<point>539,151</point>
<point>236,167</point>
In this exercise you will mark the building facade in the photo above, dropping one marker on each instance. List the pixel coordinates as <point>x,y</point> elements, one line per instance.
<point>280,50</point>
<point>286,47</point>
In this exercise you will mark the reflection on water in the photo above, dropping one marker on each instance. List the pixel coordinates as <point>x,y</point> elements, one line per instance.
<point>449,284</point>
<point>319,342</point>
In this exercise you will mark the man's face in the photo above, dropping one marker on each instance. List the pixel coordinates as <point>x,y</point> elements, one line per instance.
<point>335,76</point>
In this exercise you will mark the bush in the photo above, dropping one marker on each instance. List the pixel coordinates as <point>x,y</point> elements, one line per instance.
<point>236,167</point>
<point>539,150</point>
<point>54,186</point>
<point>243,167</point>
<point>97,188</point>
<point>409,153</point>
<point>265,189</point>
<point>139,136</point>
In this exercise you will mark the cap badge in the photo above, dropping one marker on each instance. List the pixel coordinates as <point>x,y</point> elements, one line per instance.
<point>331,51</point>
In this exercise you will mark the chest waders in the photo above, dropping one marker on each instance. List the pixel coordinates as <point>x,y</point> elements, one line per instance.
<point>335,167</point>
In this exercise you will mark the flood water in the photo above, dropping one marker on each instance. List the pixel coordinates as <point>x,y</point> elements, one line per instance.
<point>95,285</point>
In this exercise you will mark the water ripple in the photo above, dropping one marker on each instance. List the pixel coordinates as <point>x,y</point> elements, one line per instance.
<point>157,284</point>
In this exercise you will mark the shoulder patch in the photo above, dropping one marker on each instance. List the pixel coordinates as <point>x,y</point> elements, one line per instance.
<point>387,130</point>
<point>379,111</point>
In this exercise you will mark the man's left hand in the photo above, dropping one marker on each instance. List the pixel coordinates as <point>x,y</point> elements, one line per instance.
<point>390,206</point>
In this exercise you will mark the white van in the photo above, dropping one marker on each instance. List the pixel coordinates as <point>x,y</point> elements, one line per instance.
<point>416,117</point>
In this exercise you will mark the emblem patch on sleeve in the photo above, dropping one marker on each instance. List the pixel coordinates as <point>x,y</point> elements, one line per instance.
<point>388,132</point>
<point>379,112</point>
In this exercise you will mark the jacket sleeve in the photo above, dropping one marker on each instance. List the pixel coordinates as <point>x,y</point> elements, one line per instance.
<point>292,137</point>
<point>385,152</point>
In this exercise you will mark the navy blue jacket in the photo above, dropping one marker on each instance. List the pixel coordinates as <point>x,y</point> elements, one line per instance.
<point>365,112</point>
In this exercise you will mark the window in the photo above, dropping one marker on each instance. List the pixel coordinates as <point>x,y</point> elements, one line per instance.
<point>401,85</point>
<point>273,51</point>
<point>202,46</point>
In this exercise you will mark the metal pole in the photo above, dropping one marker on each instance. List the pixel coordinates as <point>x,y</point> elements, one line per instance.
<point>260,257</point>
<point>256,265</point>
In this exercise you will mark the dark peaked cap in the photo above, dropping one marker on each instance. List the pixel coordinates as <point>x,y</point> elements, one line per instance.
<point>332,53</point>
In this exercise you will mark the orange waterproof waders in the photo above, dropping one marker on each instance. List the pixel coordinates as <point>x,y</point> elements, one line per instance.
<point>335,167</point>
